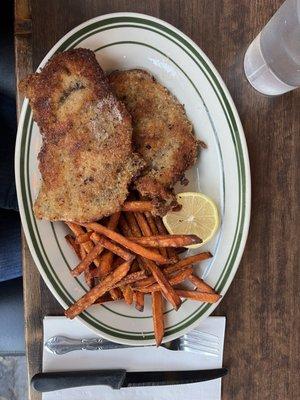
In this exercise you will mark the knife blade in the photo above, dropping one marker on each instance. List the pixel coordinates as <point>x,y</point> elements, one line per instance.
<point>120,378</point>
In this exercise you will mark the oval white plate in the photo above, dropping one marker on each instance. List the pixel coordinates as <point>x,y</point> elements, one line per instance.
<point>125,41</point>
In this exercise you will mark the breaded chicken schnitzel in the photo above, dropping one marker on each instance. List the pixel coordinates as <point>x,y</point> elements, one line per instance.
<point>86,160</point>
<point>162,133</point>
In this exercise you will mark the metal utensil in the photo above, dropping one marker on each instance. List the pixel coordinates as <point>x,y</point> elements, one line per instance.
<point>194,341</point>
<point>120,378</point>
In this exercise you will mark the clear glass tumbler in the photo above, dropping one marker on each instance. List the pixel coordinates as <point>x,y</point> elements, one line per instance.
<point>272,61</point>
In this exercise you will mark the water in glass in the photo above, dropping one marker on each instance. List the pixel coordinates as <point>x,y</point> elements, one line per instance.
<point>272,61</point>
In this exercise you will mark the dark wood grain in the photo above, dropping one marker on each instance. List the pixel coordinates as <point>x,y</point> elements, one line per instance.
<point>262,337</point>
<point>31,278</point>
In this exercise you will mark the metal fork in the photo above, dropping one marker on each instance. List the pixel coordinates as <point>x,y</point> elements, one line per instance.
<point>194,341</point>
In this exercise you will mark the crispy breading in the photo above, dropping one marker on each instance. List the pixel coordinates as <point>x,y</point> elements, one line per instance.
<point>162,133</point>
<point>86,160</point>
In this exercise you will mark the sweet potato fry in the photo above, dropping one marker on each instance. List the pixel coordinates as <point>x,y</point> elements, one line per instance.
<point>145,228</point>
<point>165,286</point>
<point>158,317</point>
<point>124,227</point>
<point>174,280</point>
<point>143,224</point>
<point>72,243</point>
<point>201,285</point>
<point>146,285</point>
<point>188,261</point>
<point>142,251</point>
<point>137,206</point>
<point>116,294</point>
<point>113,221</point>
<point>82,252</point>
<point>151,222</point>
<point>131,278</point>
<point>89,298</point>
<point>138,298</point>
<point>131,228</point>
<point>113,247</point>
<point>166,240</point>
<point>106,263</point>
<point>150,280</point>
<point>133,225</point>
<point>88,246</point>
<point>112,224</point>
<point>89,280</point>
<point>180,276</point>
<point>172,254</point>
<point>182,264</point>
<point>75,228</point>
<point>88,277</point>
<point>163,231</point>
<point>84,237</point>
<point>86,262</point>
<point>102,243</point>
<point>160,226</point>
<point>128,294</point>
<point>199,296</point>
<point>105,268</point>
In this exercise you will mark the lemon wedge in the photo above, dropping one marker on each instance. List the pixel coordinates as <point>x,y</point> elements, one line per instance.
<point>198,216</point>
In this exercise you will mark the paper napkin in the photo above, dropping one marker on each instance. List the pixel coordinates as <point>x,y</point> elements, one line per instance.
<point>132,359</point>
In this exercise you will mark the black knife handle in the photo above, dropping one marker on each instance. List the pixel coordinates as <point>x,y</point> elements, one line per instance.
<point>50,381</point>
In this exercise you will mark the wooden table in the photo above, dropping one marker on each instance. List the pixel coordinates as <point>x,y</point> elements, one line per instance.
<point>262,337</point>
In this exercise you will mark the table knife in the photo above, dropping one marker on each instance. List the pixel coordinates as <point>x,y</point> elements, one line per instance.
<point>120,378</point>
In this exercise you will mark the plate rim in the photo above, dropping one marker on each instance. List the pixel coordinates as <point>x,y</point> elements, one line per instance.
<point>244,152</point>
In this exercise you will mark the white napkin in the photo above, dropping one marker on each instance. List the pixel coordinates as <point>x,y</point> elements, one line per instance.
<point>133,359</point>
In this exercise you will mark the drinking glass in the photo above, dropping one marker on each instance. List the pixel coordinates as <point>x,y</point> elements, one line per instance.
<point>272,61</point>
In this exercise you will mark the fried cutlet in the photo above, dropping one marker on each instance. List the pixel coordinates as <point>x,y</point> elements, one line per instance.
<point>162,133</point>
<point>86,161</point>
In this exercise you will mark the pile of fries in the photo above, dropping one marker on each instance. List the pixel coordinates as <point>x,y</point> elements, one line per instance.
<point>131,255</point>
